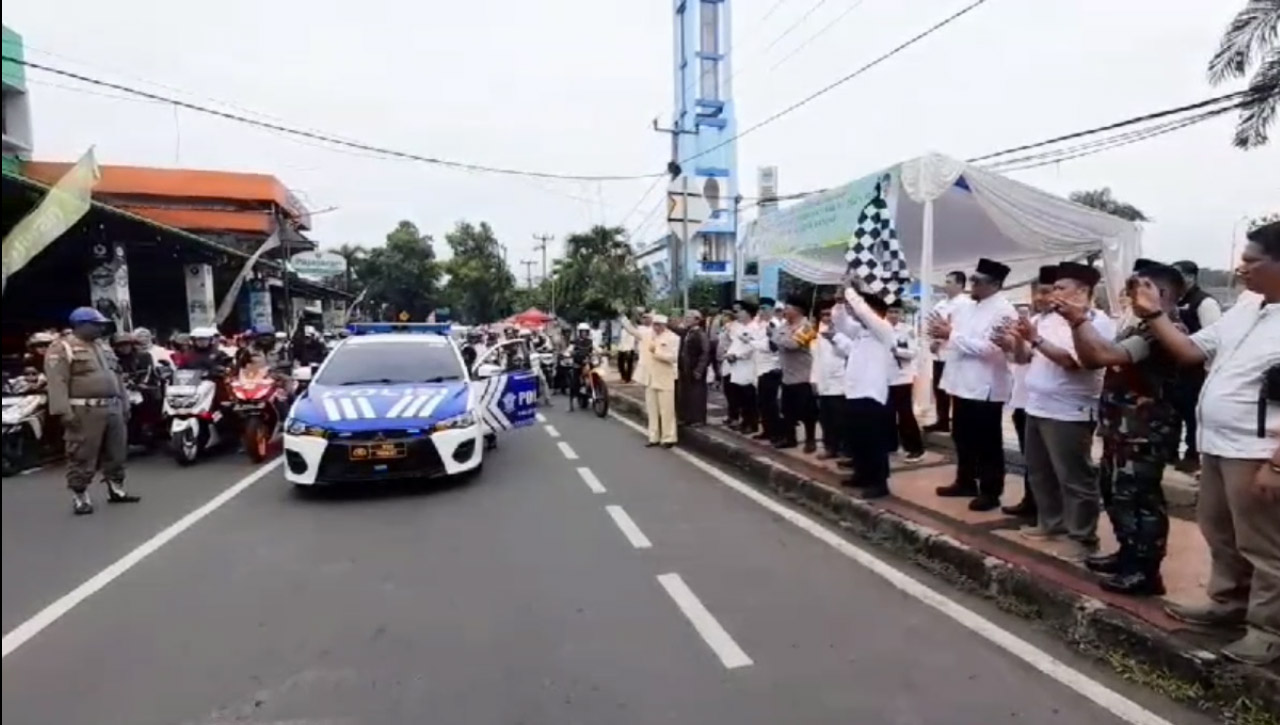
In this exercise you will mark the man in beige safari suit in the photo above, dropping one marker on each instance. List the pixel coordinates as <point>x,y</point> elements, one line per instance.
<point>87,392</point>
<point>660,393</point>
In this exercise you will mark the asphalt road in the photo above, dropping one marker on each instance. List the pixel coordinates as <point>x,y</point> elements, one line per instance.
<point>642,591</point>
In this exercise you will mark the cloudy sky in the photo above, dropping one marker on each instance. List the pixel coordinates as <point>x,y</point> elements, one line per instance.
<point>572,86</point>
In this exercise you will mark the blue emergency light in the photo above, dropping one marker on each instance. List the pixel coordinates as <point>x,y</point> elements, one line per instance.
<point>382,328</point>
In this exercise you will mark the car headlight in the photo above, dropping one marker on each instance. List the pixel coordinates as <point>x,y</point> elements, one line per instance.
<point>298,428</point>
<point>466,420</point>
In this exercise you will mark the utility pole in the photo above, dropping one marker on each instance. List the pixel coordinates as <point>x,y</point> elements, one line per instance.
<point>679,261</point>
<point>528,271</point>
<point>542,240</point>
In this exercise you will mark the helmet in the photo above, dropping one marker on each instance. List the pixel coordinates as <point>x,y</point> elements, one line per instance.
<point>82,315</point>
<point>584,326</point>
<point>309,331</point>
<point>122,338</point>
<point>262,330</point>
<point>203,332</point>
<point>526,333</point>
<point>281,336</point>
<point>39,339</point>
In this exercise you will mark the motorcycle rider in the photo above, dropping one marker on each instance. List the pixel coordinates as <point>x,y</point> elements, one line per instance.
<point>474,348</point>
<point>37,348</point>
<point>87,392</point>
<point>582,347</point>
<point>204,353</point>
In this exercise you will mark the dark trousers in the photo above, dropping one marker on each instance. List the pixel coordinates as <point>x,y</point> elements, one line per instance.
<point>979,438</point>
<point>742,405</point>
<point>831,410</point>
<point>798,408</point>
<point>1185,399</point>
<point>904,414</point>
<point>767,386</point>
<point>942,400</point>
<point>626,365</point>
<point>1020,427</point>
<point>866,427</point>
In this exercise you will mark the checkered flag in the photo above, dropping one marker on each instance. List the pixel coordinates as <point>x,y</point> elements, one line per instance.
<point>875,254</point>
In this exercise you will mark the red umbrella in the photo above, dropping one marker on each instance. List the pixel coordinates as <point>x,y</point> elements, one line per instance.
<point>532,317</point>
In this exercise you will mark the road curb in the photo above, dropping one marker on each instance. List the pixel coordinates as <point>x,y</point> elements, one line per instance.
<point>1169,662</point>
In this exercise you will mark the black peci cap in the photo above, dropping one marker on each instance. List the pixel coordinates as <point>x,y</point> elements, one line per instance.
<point>1081,273</point>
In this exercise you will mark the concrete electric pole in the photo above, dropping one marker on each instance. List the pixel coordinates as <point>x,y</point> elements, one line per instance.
<point>528,271</point>
<point>542,240</point>
<point>679,256</point>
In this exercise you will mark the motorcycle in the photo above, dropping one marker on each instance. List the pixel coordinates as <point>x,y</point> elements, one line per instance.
<point>193,403</point>
<point>564,373</point>
<point>146,415</point>
<point>546,362</point>
<point>591,390</point>
<point>25,409</point>
<point>256,401</point>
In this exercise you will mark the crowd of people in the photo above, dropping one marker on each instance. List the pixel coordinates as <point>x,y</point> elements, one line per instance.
<point>1171,365</point>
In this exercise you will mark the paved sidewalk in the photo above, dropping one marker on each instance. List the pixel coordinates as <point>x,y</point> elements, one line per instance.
<point>991,534</point>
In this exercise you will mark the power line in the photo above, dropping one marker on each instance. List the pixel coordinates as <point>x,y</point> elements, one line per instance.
<point>280,128</point>
<point>847,11</point>
<point>832,86</point>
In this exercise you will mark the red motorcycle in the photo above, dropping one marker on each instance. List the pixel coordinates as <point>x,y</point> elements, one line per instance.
<point>257,401</point>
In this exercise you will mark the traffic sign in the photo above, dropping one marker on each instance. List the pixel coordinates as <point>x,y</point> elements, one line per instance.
<point>404,316</point>
<point>687,208</point>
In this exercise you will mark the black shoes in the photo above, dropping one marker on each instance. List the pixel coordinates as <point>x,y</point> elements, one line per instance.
<point>1103,563</point>
<point>984,503</point>
<point>1026,508</point>
<point>1136,584</point>
<point>956,490</point>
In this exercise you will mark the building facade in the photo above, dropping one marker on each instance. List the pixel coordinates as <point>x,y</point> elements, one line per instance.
<point>17,139</point>
<point>704,127</point>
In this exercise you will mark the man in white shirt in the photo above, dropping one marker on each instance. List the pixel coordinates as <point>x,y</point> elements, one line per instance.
<point>828,383</point>
<point>643,336</point>
<point>739,357</point>
<point>944,310</point>
<point>768,372</point>
<point>901,405</point>
<point>1239,505</point>
<point>1062,403</point>
<point>626,355</point>
<point>977,378</point>
<point>860,317</point>
<point>1041,292</point>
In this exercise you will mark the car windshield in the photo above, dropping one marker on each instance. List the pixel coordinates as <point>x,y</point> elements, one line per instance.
<point>389,363</point>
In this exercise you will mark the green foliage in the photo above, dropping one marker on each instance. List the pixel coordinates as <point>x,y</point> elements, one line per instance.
<point>402,275</point>
<point>1102,200</point>
<point>597,273</point>
<point>1250,43</point>
<point>480,287</point>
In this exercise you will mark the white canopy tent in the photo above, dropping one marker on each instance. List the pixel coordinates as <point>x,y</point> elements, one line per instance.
<point>948,214</point>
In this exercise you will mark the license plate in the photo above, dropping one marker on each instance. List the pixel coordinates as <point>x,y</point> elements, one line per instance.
<point>248,406</point>
<point>378,452</point>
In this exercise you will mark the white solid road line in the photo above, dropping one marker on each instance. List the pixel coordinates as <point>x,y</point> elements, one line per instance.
<point>541,418</point>
<point>590,479</point>
<point>568,451</point>
<point>629,528</point>
<point>551,431</point>
<point>19,635</point>
<point>1110,700</point>
<point>730,654</point>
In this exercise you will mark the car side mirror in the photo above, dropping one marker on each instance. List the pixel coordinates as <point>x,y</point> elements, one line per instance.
<point>302,374</point>
<point>488,370</point>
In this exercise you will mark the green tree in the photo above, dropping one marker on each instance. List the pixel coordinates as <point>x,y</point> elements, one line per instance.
<point>598,272</point>
<point>1102,200</point>
<point>1251,42</point>
<point>480,286</point>
<point>1264,219</point>
<point>402,275</point>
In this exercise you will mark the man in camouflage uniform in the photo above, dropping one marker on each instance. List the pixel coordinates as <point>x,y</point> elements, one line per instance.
<point>1138,423</point>
<point>87,392</point>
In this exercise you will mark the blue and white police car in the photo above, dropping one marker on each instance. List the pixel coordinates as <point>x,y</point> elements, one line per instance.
<point>395,400</point>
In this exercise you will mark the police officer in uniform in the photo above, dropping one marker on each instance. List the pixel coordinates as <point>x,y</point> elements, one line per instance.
<point>87,392</point>
<point>1138,423</point>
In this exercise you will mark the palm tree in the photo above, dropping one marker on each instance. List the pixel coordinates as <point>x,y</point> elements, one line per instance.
<point>1251,39</point>
<point>352,253</point>
<point>1102,200</point>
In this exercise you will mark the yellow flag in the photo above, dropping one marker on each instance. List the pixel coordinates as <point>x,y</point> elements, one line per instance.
<point>62,207</point>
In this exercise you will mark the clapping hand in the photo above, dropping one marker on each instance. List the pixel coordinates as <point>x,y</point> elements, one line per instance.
<point>1144,297</point>
<point>1024,328</point>
<point>939,328</point>
<point>1072,312</point>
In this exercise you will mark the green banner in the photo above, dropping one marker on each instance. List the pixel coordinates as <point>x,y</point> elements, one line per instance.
<point>64,205</point>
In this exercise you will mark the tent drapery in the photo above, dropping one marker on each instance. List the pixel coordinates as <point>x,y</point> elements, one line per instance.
<point>532,317</point>
<point>976,213</point>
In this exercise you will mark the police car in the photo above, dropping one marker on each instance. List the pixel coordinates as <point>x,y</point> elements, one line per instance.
<point>396,401</point>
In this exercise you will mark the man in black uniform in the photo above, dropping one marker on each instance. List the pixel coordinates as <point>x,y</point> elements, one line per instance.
<point>1196,309</point>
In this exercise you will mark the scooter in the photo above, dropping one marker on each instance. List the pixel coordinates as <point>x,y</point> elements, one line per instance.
<point>146,415</point>
<point>193,402</point>
<point>25,413</point>
<point>256,401</point>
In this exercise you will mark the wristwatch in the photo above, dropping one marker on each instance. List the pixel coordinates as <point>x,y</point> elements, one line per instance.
<point>1036,343</point>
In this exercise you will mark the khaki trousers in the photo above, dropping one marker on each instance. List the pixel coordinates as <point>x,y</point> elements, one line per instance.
<point>660,405</point>
<point>1243,533</point>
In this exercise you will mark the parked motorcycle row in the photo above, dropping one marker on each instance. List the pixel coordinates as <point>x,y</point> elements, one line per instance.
<point>194,411</point>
